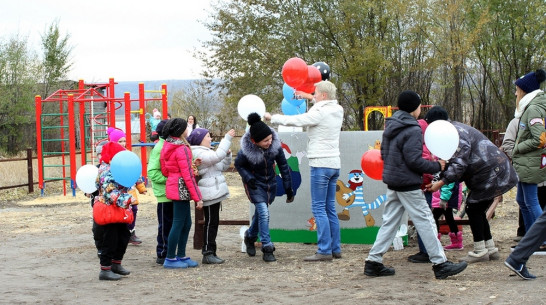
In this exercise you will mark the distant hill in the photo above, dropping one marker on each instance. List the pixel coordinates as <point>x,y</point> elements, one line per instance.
<point>172,86</point>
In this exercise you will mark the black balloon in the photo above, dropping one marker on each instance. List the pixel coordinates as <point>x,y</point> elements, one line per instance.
<point>324,69</point>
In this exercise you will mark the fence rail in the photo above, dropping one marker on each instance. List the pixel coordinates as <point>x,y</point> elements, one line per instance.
<point>30,176</point>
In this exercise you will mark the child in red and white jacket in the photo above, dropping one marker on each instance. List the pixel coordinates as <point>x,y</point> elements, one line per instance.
<point>444,201</point>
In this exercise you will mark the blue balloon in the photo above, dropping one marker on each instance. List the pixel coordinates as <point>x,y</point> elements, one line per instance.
<point>290,109</point>
<point>126,168</point>
<point>288,94</point>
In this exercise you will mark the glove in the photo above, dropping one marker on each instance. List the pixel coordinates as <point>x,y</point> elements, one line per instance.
<point>443,204</point>
<point>252,184</point>
<point>289,195</point>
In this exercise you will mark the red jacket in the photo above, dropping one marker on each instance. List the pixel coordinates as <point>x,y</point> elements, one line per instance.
<point>176,162</point>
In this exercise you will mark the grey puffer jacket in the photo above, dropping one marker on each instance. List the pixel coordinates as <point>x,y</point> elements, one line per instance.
<point>484,168</point>
<point>402,153</point>
<point>212,182</point>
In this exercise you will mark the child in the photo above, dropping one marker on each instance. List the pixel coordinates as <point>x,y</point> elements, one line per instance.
<point>155,119</point>
<point>260,150</point>
<point>97,229</point>
<point>118,136</point>
<point>402,153</point>
<point>115,235</point>
<point>164,205</point>
<point>446,199</point>
<point>176,165</point>
<point>212,184</point>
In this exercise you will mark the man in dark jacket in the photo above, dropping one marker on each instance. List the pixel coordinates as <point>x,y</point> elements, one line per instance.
<point>260,150</point>
<point>402,150</point>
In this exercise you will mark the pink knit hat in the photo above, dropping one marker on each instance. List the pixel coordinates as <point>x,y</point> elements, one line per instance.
<point>115,134</point>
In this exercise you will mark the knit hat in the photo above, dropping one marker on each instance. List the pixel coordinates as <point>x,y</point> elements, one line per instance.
<point>531,81</point>
<point>156,114</point>
<point>159,128</point>
<point>258,129</point>
<point>115,134</point>
<point>109,150</point>
<point>98,148</point>
<point>436,113</point>
<point>175,127</point>
<point>408,101</point>
<point>197,136</point>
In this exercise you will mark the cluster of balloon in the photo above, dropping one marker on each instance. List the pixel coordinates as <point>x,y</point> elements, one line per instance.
<point>86,178</point>
<point>372,164</point>
<point>290,109</point>
<point>250,103</point>
<point>126,168</point>
<point>298,76</point>
<point>442,139</point>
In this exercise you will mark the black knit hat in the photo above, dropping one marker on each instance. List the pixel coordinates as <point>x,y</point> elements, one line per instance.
<point>531,81</point>
<point>258,129</point>
<point>175,127</point>
<point>408,101</point>
<point>436,113</point>
<point>159,129</point>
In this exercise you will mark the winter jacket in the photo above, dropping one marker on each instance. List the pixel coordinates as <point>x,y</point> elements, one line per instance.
<point>402,153</point>
<point>510,137</point>
<point>530,145</point>
<point>176,162</point>
<point>452,193</point>
<point>255,163</point>
<point>324,120</point>
<point>110,191</point>
<point>154,172</point>
<point>481,165</point>
<point>212,182</point>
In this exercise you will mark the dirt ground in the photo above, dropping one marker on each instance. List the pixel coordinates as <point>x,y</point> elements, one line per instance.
<point>47,255</point>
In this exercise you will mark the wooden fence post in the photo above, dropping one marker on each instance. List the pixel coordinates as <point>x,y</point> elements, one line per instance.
<point>30,171</point>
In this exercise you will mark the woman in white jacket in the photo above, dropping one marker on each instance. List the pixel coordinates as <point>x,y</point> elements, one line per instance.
<point>324,121</point>
<point>212,184</point>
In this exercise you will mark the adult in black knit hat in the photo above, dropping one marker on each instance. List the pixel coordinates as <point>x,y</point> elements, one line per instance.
<point>408,101</point>
<point>436,113</point>
<point>258,129</point>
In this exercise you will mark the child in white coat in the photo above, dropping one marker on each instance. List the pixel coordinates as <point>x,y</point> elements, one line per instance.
<point>212,184</point>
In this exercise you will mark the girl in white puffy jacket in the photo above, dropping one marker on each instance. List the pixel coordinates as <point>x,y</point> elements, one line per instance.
<point>212,184</point>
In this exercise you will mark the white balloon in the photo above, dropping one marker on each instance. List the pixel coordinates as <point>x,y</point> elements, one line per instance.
<point>86,177</point>
<point>250,103</point>
<point>442,139</point>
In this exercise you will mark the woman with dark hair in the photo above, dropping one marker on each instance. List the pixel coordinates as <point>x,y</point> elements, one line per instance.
<point>192,124</point>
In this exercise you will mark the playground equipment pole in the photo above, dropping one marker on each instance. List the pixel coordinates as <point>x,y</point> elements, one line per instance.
<point>127,99</point>
<point>38,106</point>
<point>72,143</point>
<point>142,106</point>
<point>164,101</point>
<point>111,104</point>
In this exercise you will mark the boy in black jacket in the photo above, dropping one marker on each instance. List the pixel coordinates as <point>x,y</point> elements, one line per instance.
<point>402,150</point>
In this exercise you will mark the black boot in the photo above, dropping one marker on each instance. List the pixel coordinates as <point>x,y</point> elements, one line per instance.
<point>108,275</point>
<point>377,269</point>
<point>445,269</point>
<point>249,243</point>
<point>268,254</point>
<point>210,258</point>
<point>118,268</point>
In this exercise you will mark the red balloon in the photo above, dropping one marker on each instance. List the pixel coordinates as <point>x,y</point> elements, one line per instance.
<point>294,72</point>
<point>306,87</point>
<point>372,164</point>
<point>313,75</point>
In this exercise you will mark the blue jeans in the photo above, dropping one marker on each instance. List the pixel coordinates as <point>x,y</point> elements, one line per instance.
<point>260,224</point>
<point>323,206</point>
<point>527,199</point>
<point>180,230</point>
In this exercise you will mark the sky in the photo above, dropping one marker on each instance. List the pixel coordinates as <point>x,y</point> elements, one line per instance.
<point>128,40</point>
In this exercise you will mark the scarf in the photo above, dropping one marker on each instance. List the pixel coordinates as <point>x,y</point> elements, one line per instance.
<point>524,102</point>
